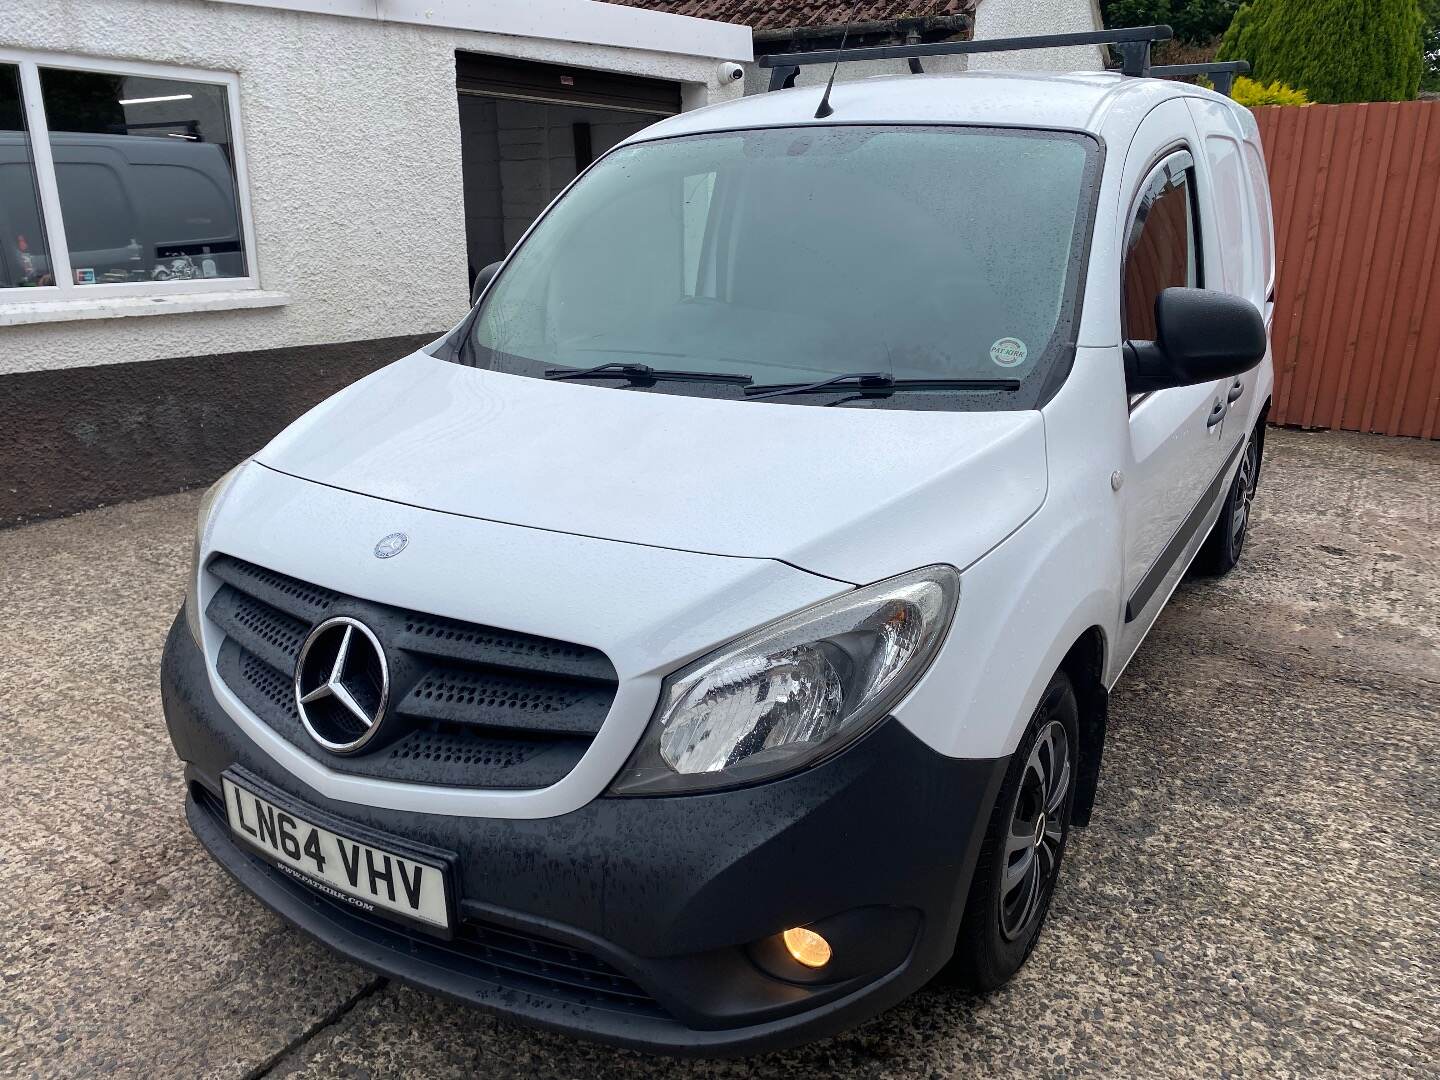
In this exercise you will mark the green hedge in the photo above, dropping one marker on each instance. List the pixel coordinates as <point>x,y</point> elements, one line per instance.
<point>1196,22</point>
<point>1336,50</point>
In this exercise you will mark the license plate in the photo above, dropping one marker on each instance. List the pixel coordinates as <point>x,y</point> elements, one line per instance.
<point>356,873</point>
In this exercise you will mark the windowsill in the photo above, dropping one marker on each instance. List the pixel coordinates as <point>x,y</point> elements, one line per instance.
<point>21,313</point>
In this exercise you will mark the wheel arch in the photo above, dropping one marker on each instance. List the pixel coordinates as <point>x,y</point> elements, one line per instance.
<point>1084,663</point>
<point>1260,425</point>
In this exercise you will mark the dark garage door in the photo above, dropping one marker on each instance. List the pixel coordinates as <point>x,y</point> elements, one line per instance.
<point>526,129</point>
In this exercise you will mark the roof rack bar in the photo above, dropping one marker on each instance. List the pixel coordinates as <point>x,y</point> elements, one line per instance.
<point>1134,45</point>
<point>1222,74</point>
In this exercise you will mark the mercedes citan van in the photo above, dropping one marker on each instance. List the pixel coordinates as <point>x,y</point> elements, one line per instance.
<point>707,642</point>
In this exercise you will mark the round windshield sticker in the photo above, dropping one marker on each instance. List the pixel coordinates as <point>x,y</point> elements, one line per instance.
<point>1009,352</point>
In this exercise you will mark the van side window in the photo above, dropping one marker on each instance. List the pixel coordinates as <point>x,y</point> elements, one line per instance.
<point>1260,191</point>
<point>1235,213</point>
<point>1163,249</point>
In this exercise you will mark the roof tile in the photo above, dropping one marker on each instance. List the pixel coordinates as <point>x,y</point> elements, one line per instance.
<point>784,14</point>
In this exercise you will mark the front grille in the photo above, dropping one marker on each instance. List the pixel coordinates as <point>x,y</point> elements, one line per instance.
<point>488,753</point>
<point>473,705</point>
<point>505,957</point>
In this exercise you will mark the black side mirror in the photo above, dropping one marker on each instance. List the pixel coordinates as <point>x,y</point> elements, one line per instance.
<point>482,279</point>
<point>1202,336</point>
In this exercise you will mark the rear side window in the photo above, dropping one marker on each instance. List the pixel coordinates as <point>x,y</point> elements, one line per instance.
<point>1234,211</point>
<point>1260,187</point>
<point>1162,251</point>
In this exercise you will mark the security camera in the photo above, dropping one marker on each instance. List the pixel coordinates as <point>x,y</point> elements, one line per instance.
<point>731,72</point>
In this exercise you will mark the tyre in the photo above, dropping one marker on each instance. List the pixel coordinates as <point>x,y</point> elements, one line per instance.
<point>1020,859</point>
<point>1226,543</point>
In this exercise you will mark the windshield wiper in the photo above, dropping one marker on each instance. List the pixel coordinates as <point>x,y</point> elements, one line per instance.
<point>866,380</point>
<point>644,373</point>
<point>875,384</point>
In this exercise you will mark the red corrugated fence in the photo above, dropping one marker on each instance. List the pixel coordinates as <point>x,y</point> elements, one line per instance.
<point>1357,221</point>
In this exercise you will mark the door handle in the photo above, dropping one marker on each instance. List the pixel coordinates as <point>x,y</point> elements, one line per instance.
<point>1236,391</point>
<point>1217,413</point>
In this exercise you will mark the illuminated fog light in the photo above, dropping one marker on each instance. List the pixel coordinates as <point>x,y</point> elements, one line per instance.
<point>807,947</point>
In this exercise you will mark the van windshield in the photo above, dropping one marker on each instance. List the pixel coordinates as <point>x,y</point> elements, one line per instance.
<point>792,255</point>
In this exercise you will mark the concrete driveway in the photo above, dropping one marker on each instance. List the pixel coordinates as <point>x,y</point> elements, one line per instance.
<point>1258,894</point>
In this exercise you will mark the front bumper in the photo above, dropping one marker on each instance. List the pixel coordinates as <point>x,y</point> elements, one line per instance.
<point>649,922</point>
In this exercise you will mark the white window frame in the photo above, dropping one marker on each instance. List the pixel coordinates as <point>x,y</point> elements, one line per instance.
<point>65,288</point>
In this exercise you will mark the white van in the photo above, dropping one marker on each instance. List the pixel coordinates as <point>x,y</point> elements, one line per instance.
<point>708,642</point>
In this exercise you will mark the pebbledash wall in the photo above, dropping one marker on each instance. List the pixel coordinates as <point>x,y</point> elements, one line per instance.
<point>1018,18</point>
<point>351,145</point>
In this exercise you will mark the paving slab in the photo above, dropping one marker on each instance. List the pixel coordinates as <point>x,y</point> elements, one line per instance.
<point>1259,893</point>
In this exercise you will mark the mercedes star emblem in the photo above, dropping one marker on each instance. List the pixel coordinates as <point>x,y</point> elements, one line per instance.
<point>392,545</point>
<point>342,684</point>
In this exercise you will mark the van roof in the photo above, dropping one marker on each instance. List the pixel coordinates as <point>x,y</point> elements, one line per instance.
<point>1079,101</point>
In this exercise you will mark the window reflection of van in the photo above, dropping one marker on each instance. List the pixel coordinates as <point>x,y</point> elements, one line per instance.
<point>136,208</point>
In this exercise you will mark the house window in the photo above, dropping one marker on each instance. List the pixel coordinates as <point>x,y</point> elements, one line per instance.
<point>24,257</point>
<point>118,179</point>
